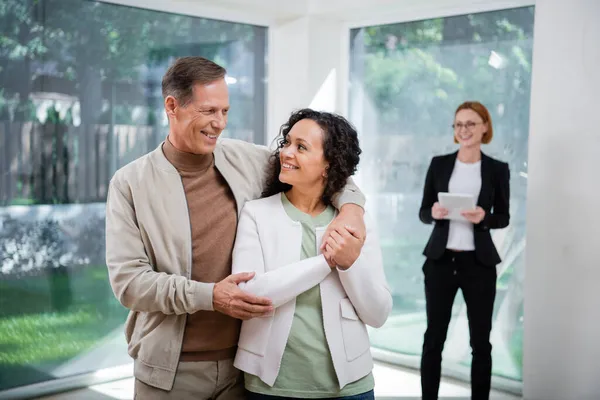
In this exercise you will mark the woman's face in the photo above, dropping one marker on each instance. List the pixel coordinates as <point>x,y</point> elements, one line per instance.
<point>469,128</point>
<point>302,159</point>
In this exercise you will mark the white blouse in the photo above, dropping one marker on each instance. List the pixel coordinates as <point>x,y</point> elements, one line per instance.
<point>465,179</point>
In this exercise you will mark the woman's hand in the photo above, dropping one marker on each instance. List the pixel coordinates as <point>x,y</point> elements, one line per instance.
<point>474,216</point>
<point>342,248</point>
<point>438,212</point>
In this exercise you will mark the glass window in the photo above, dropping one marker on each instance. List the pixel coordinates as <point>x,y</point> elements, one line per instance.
<point>406,81</point>
<point>80,96</point>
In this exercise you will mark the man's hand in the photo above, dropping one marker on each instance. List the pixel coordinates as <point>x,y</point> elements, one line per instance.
<point>349,218</point>
<point>474,216</point>
<point>342,248</point>
<point>229,299</point>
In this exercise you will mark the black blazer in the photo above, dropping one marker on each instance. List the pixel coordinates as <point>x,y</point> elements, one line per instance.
<point>493,198</point>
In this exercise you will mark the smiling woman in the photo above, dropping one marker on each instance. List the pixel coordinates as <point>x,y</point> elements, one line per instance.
<point>472,124</point>
<point>460,253</point>
<point>339,290</point>
<point>321,145</point>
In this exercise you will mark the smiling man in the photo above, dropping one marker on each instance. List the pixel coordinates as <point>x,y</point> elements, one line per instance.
<point>171,220</point>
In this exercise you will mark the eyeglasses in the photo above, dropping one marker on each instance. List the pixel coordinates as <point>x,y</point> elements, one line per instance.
<point>469,125</point>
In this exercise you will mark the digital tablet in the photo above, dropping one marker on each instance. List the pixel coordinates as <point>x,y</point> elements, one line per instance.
<point>455,203</point>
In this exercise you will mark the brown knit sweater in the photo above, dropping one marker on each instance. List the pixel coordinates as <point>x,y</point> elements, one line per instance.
<point>209,335</point>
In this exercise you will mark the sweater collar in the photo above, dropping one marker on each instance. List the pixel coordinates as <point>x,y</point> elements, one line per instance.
<point>183,161</point>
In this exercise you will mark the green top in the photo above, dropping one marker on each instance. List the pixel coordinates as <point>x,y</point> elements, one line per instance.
<point>306,366</point>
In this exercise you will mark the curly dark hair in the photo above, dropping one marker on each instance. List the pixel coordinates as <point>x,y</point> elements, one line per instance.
<point>340,149</point>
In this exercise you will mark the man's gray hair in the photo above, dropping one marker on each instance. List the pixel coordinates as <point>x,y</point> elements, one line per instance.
<point>180,78</point>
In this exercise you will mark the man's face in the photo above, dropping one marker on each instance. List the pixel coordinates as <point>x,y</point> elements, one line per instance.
<point>196,126</point>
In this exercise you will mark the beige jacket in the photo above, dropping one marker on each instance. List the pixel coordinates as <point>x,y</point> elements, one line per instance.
<point>148,249</point>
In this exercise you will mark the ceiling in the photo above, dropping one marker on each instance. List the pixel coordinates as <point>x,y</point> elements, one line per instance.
<point>354,12</point>
<point>290,9</point>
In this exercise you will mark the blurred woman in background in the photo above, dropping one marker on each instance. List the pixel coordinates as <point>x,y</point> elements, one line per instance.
<point>460,252</point>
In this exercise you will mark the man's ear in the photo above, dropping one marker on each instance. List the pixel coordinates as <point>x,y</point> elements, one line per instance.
<point>171,105</point>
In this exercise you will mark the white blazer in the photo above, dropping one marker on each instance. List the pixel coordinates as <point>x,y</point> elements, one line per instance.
<point>268,242</point>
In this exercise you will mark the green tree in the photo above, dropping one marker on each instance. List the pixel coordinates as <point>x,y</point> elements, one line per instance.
<point>21,43</point>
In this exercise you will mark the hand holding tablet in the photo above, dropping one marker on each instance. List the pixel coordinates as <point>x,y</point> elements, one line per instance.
<point>455,203</point>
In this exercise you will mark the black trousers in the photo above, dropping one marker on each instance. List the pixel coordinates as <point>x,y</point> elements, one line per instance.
<point>443,278</point>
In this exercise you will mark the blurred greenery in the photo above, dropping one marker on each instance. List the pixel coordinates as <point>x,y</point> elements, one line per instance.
<point>95,69</point>
<point>20,201</point>
<point>77,47</point>
<point>100,64</point>
<point>406,80</point>
<point>35,338</point>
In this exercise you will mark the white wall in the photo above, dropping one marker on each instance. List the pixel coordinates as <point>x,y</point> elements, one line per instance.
<point>562,296</point>
<point>287,71</point>
<point>307,56</point>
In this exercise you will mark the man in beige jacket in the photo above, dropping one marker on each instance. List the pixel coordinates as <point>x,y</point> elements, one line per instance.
<point>171,219</point>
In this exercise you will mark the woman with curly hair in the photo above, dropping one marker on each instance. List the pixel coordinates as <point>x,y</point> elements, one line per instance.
<point>315,343</point>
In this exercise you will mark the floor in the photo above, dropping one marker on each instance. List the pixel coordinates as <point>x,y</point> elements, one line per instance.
<point>391,383</point>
